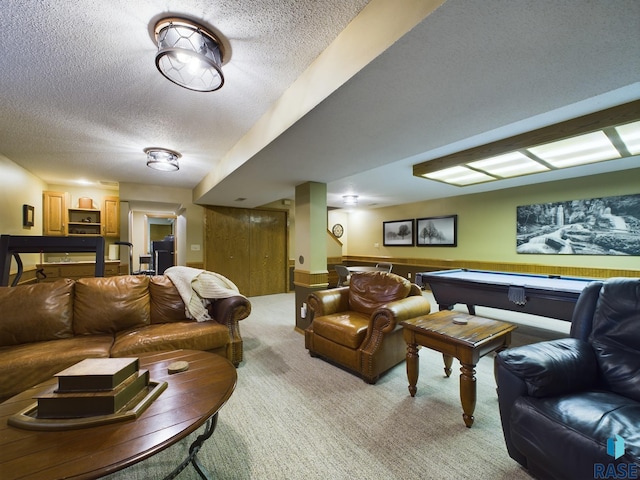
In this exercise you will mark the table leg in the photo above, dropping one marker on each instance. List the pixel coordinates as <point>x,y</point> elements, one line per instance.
<point>413,367</point>
<point>448,361</point>
<point>468,392</point>
<point>193,452</point>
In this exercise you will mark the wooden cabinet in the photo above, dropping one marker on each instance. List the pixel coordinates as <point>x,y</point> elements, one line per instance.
<point>54,206</point>
<point>111,217</point>
<point>60,220</point>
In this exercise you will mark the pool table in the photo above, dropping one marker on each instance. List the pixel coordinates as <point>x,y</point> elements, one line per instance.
<point>545,295</point>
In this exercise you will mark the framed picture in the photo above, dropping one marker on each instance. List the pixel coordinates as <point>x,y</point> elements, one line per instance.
<point>437,231</point>
<point>588,226</point>
<point>398,233</point>
<point>27,215</point>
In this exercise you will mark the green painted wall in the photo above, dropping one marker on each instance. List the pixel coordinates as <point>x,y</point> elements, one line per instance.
<point>487,222</point>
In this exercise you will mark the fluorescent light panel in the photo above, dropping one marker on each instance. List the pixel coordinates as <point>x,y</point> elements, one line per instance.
<point>581,150</point>
<point>630,136</point>
<point>511,164</point>
<point>459,175</point>
<point>571,152</point>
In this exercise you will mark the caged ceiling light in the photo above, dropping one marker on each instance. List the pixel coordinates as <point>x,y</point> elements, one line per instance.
<point>162,159</point>
<point>189,55</point>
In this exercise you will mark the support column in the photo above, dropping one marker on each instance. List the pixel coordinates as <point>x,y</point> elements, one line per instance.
<point>310,272</point>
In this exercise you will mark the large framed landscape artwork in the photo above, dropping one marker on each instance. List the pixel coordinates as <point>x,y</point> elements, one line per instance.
<point>593,226</point>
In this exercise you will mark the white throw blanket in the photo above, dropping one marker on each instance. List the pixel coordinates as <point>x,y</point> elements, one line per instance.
<point>197,287</point>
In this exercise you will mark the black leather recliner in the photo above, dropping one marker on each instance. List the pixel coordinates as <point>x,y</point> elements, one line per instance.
<point>562,402</point>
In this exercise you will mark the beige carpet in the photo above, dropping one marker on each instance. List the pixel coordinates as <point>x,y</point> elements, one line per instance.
<point>297,417</point>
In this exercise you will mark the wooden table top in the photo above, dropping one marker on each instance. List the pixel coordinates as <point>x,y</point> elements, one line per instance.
<point>477,331</point>
<point>190,399</point>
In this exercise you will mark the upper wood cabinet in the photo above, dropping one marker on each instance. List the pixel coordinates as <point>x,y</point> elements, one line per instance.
<point>61,220</point>
<point>111,217</point>
<point>54,206</point>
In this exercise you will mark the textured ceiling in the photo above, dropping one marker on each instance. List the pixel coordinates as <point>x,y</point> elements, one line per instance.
<point>80,94</point>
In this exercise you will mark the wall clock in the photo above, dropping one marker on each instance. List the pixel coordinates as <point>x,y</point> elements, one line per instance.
<point>337,230</point>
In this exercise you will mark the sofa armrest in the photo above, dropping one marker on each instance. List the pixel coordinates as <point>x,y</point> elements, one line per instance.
<point>230,310</point>
<point>552,368</point>
<point>326,302</point>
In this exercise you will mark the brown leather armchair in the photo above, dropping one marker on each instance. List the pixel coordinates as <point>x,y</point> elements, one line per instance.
<point>358,326</point>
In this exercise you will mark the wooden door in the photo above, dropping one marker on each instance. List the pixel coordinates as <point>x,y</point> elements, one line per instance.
<point>226,245</point>
<point>111,217</point>
<point>54,214</point>
<point>268,252</point>
<point>249,247</point>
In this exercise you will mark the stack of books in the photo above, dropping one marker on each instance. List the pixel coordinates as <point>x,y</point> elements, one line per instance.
<point>95,386</point>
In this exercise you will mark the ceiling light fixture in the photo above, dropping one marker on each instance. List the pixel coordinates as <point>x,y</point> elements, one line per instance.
<point>162,159</point>
<point>350,199</point>
<point>607,135</point>
<point>189,55</point>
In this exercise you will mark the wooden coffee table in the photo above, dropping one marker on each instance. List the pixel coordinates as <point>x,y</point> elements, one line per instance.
<point>191,399</point>
<point>468,343</point>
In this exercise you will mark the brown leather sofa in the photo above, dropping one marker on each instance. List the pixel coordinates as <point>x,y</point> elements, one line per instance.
<point>47,327</point>
<point>358,326</point>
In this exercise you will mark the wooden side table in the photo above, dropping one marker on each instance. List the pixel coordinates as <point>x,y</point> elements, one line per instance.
<point>466,342</point>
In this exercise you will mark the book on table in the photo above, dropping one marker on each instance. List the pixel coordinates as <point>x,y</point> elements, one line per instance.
<point>95,374</point>
<point>54,404</point>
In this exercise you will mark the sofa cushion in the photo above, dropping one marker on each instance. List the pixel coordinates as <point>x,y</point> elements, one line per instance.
<point>370,290</point>
<point>36,313</point>
<point>616,336</point>
<point>344,328</point>
<point>111,304</point>
<point>186,335</point>
<point>166,304</point>
<point>23,366</point>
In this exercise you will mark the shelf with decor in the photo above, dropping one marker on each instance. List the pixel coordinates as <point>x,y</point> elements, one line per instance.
<point>84,221</point>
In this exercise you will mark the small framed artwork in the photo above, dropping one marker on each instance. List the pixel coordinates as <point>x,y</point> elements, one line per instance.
<point>27,215</point>
<point>398,233</point>
<point>437,231</point>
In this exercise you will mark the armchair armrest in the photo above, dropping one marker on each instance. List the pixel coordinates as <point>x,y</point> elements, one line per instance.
<point>388,316</point>
<point>326,302</point>
<point>551,368</point>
